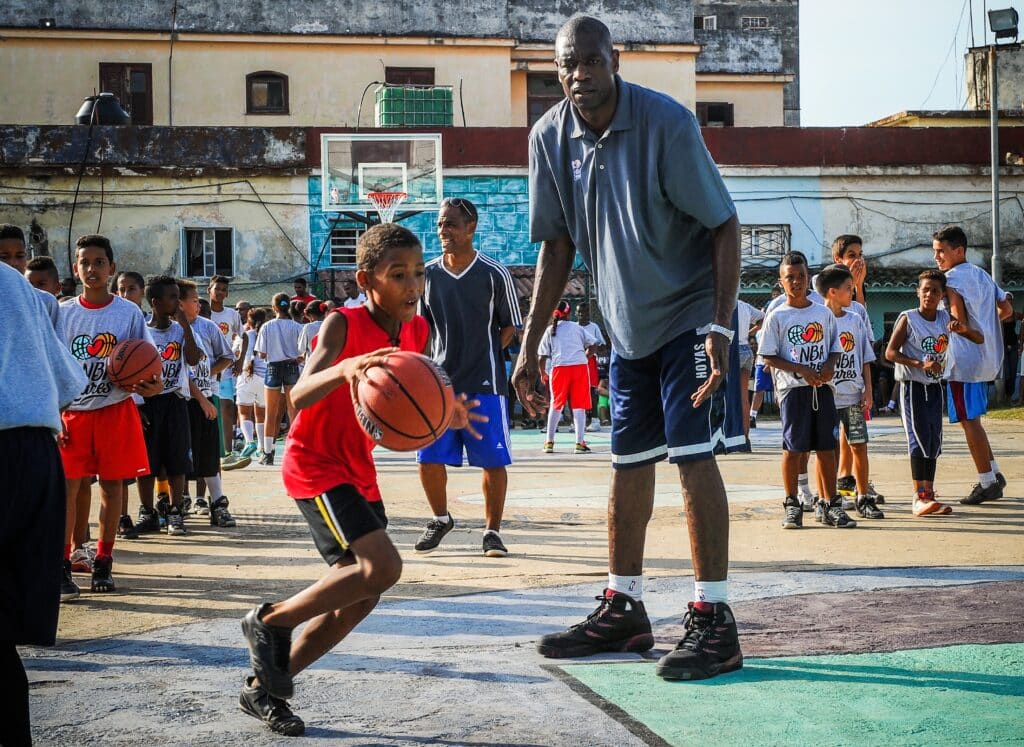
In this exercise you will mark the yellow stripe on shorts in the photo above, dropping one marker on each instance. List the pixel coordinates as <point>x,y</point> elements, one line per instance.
<point>329,520</point>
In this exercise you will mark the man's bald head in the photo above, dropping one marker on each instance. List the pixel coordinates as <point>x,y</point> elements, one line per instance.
<point>585,26</point>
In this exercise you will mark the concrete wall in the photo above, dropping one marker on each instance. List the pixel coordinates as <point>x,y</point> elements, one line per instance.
<point>755,103</point>
<point>736,51</point>
<point>632,21</point>
<point>1010,76</point>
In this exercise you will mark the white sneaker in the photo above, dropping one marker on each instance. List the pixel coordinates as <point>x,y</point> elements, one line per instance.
<point>808,500</point>
<point>594,427</point>
<point>82,558</point>
<point>849,504</point>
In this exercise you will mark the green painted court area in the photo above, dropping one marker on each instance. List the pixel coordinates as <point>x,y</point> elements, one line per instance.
<point>957,695</point>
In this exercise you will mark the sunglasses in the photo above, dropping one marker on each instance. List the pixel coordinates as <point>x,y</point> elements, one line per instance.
<point>458,202</point>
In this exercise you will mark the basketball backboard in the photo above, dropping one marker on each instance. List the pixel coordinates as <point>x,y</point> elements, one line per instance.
<point>355,164</point>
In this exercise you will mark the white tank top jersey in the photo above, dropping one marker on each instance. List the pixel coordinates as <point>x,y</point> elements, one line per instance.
<point>568,346</point>
<point>925,341</point>
<point>971,362</point>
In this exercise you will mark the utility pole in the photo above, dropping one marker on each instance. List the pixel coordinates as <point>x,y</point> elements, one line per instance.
<point>993,106</point>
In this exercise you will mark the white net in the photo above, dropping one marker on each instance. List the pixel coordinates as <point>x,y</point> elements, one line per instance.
<point>387,204</point>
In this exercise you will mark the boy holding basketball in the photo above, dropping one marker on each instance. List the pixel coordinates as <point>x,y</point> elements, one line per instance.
<point>329,470</point>
<point>801,345</point>
<point>102,431</point>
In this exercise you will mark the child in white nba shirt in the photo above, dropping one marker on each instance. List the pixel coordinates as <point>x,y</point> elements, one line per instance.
<point>567,345</point>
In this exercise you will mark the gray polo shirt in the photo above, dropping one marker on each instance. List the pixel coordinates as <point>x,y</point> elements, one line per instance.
<point>638,202</point>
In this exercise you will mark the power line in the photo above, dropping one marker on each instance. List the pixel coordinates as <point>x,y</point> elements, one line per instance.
<point>942,66</point>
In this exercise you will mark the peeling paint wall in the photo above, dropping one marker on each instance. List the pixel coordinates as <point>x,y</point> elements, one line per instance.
<point>1010,71</point>
<point>735,51</point>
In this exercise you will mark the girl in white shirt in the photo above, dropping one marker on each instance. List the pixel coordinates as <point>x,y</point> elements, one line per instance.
<point>566,344</point>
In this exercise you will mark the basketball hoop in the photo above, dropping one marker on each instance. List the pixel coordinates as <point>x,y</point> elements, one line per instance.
<point>387,204</point>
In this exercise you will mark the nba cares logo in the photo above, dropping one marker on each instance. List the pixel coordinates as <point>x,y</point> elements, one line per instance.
<point>847,341</point>
<point>171,352</point>
<point>937,345</point>
<point>799,334</point>
<point>84,347</point>
<point>223,328</point>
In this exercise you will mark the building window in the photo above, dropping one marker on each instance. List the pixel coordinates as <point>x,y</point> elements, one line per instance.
<point>409,76</point>
<point>715,114</point>
<point>206,252</point>
<point>543,91</point>
<point>132,83</point>
<point>705,23</point>
<point>753,23</point>
<point>266,92</point>
<point>343,246</point>
<point>764,245</point>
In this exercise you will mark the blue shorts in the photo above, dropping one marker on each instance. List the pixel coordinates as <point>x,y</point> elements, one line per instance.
<point>967,401</point>
<point>810,421</point>
<point>762,379</point>
<point>921,410</point>
<point>493,450</point>
<point>227,387</point>
<point>653,416</point>
<point>282,373</point>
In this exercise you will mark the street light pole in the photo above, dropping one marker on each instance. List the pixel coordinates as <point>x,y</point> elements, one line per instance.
<point>993,105</point>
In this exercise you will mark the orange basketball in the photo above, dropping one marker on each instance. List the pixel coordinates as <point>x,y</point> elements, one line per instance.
<point>133,361</point>
<point>405,404</point>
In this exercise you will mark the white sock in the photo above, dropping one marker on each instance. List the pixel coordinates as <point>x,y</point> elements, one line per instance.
<point>631,585</point>
<point>753,413</point>
<point>491,531</point>
<point>213,485</point>
<point>580,422</point>
<point>711,591</point>
<point>986,479</point>
<point>248,428</point>
<point>802,486</point>
<point>553,417</point>
<point>443,519</point>
<point>268,444</point>
<point>995,465</point>
<point>261,432</point>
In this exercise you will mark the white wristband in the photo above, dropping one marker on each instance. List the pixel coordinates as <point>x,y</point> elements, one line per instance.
<point>725,332</point>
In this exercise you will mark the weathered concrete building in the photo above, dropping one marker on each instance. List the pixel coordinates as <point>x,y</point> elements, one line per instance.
<point>1010,77</point>
<point>216,63</point>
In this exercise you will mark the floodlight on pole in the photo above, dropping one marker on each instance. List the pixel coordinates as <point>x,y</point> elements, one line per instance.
<point>1003,23</point>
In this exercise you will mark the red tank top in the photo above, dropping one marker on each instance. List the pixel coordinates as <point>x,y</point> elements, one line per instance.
<point>326,446</point>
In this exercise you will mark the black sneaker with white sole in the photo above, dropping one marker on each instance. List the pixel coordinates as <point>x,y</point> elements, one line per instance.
<point>269,651</point>
<point>982,495</point>
<point>833,515</point>
<point>794,518</point>
<point>102,575</point>
<point>175,522</point>
<point>126,528</point>
<point>1001,479</point>
<point>68,588</point>
<point>267,460</point>
<point>274,712</point>
<point>710,647</point>
<point>149,521</point>
<point>493,546</point>
<point>619,623</point>
<point>433,534</point>
<point>867,509</point>
<point>219,514</point>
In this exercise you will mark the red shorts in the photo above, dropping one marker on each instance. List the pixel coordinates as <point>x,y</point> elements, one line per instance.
<point>595,379</point>
<point>570,384</point>
<point>106,443</point>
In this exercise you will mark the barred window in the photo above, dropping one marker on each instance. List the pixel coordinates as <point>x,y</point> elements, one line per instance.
<point>343,246</point>
<point>764,245</point>
<point>753,23</point>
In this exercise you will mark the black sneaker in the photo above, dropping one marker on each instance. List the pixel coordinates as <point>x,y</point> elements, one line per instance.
<point>753,422</point>
<point>433,535</point>
<point>493,546</point>
<point>175,522</point>
<point>618,624</point>
<point>269,651</point>
<point>126,528</point>
<point>102,578</point>
<point>274,712</point>
<point>710,646</point>
<point>186,505</point>
<point>202,508</point>
<point>867,509</point>
<point>1001,479</point>
<point>149,521</point>
<point>267,460</point>
<point>163,505</point>
<point>68,588</point>
<point>794,513</point>
<point>980,495</point>
<point>219,514</point>
<point>833,515</point>
<point>846,485</point>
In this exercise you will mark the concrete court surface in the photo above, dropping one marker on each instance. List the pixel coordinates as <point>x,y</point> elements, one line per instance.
<point>448,657</point>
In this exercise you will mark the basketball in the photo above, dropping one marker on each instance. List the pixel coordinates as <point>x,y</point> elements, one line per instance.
<point>407,403</point>
<point>133,361</point>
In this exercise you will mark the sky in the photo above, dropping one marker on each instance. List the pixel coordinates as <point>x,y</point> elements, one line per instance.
<point>861,60</point>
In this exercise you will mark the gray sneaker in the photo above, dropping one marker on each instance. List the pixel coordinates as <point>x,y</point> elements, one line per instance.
<point>269,651</point>
<point>794,518</point>
<point>980,495</point>
<point>833,515</point>
<point>433,534</point>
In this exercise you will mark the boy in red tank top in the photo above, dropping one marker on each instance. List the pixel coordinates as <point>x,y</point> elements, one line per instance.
<point>328,469</point>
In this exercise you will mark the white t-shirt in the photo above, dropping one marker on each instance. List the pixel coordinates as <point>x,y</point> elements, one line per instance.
<point>351,303</point>
<point>747,316</point>
<point>971,362</point>
<point>594,330</point>
<point>259,366</point>
<point>856,307</point>
<point>170,343</point>
<point>568,346</point>
<point>213,347</point>
<point>279,340</point>
<point>309,331</point>
<point>855,341</point>
<point>806,336</point>
<point>229,322</point>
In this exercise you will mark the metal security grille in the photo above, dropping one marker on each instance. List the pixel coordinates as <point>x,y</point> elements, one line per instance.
<point>763,245</point>
<point>343,246</point>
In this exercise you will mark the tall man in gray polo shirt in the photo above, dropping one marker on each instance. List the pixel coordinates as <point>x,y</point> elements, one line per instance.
<point>621,174</point>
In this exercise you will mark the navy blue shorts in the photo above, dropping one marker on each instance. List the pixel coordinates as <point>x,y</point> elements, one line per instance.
<point>282,373</point>
<point>810,421</point>
<point>653,416</point>
<point>493,450</point>
<point>921,410</point>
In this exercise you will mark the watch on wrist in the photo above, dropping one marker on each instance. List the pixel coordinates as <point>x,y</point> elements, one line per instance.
<point>725,332</point>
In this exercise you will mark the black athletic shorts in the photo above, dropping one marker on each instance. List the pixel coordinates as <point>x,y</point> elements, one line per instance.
<point>205,437</point>
<point>810,421</point>
<point>32,502</point>
<point>168,434</point>
<point>338,518</point>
